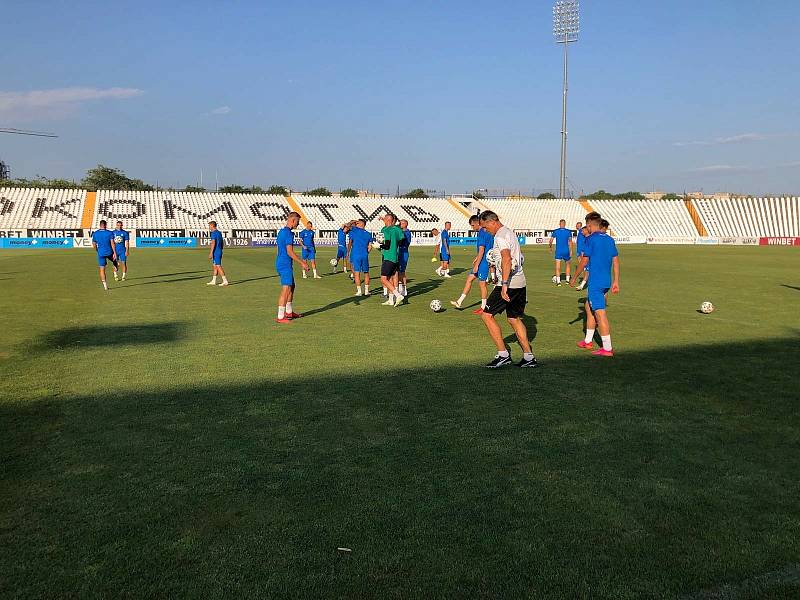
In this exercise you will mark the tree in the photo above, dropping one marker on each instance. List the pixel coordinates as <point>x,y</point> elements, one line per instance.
<point>416,193</point>
<point>108,178</point>
<point>672,196</point>
<point>546,196</point>
<point>194,188</point>
<point>600,195</point>
<point>256,189</point>
<point>349,193</point>
<point>278,190</point>
<point>234,189</point>
<point>629,196</point>
<point>320,191</point>
<point>478,196</point>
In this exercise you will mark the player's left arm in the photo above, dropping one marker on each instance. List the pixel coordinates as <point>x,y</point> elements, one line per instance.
<point>293,256</point>
<point>615,282</point>
<point>127,244</point>
<point>506,271</point>
<point>211,251</point>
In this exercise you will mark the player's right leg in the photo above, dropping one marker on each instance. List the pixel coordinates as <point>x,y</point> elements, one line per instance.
<point>467,287</point>
<point>591,327</point>
<point>597,297</point>
<point>496,306</point>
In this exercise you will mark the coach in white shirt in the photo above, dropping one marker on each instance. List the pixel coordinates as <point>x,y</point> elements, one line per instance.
<point>509,295</point>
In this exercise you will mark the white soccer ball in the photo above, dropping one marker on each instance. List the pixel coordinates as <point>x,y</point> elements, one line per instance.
<point>334,262</point>
<point>379,238</point>
<point>493,257</point>
<point>707,307</point>
<point>554,279</point>
<point>436,305</point>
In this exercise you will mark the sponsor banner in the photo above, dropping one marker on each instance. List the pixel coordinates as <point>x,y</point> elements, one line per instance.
<point>15,233</point>
<point>54,233</point>
<point>630,239</point>
<point>160,233</point>
<point>36,242</point>
<point>707,240</point>
<point>729,241</point>
<point>463,241</point>
<point>254,233</point>
<point>85,240</point>
<point>670,240</point>
<point>527,233</point>
<point>423,241</point>
<point>779,241</point>
<point>166,242</point>
<point>263,242</point>
<point>228,241</point>
<point>748,241</point>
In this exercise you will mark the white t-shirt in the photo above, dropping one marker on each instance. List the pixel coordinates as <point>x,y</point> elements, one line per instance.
<point>505,239</point>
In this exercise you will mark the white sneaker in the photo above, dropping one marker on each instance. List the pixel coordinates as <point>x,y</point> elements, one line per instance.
<point>317,277</point>
<point>439,271</point>
<point>389,302</point>
<point>447,276</point>
<point>115,277</point>
<point>454,303</point>
<point>211,283</point>
<point>358,293</point>
<point>223,284</point>
<point>304,275</point>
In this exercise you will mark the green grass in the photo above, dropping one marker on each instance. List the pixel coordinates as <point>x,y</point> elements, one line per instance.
<point>169,439</point>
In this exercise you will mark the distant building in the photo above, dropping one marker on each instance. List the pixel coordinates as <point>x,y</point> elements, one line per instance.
<point>654,195</point>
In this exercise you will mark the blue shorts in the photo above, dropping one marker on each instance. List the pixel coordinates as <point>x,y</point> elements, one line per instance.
<point>402,263</point>
<point>483,271</point>
<point>309,254</point>
<point>597,297</point>
<point>341,252</point>
<point>563,256</point>
<point>286,275</point>
<point>443,256</point>
<point>359,264</point>
<point>101,260</point>
<point>122,257</point>
<point>217,259</point>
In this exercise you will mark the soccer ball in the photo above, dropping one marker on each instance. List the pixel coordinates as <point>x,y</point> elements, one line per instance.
<point>436,305</point>
<point>706,307</point>
<point>334,262</point>
<point>493,257</point>
<point>379,237</point>
<point>555,279</point>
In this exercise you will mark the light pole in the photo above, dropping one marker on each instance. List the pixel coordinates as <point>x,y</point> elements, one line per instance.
<point>566,25</point>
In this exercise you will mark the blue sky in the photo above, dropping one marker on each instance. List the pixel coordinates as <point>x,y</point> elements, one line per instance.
<point>444,95</point>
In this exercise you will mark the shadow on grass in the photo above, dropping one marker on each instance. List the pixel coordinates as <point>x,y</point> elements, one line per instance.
<point>165,281</point>
<point>168,274</point>
<point>241,281</point>
<point>791,287</point>
<point>530,324</point>
<point>653,474</point>
<point>111,335</point>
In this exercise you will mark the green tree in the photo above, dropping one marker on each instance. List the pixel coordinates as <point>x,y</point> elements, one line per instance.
<point>108,178</point>
<point>629,196</point>
<point>349,193</point>
<point>194,188</point>
<point>320,191</point>
<point>546,196</point>
<point>478,196</point>
<point>234,189</point>
<point>672,196</point>
<point>256,189</point>
<point>600,195</point>
<point>278,190</point>
<point>416,193</point>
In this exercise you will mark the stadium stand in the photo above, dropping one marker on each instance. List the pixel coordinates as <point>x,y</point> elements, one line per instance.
<point>33,208</point>
<point>536,215</point>
<point>647,218</point>
<point>756,217</point>
<point>422,214</point>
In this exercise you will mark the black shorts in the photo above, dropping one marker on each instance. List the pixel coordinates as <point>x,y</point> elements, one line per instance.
<point>388,268</point>
<point>514,309</point>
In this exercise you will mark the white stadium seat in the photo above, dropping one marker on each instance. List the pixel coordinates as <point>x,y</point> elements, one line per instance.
<point>33,208</point>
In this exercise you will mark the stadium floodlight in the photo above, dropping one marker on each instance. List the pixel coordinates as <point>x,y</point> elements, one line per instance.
<point>566,26</point>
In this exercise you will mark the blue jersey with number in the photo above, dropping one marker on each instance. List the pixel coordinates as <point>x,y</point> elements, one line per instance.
<point>285,238</point>
<point>601,250</point>
<point>562,235</point>
<point>103,238</point>
<point>307,237</point>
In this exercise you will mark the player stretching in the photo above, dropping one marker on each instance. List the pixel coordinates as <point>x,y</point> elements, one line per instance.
<point>402,255</point>
<point>341,246</point>
<point>122,247</point>
<point>360,244</point>
<point>508,296</point>
<point>215,255</point>
<point>283,264</point>
<point>309,251</point>
<point>563,239</point>
<point>601,250</point>
<point>444,251</point>
<point>392,235</point>
<point>103,242</point>
<point>480,265</point>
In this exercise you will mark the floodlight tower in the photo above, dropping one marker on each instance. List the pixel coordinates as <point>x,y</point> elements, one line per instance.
<point>566,25</point>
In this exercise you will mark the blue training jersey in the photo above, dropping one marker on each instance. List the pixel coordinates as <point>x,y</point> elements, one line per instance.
<point>601,250</point>
<point>485,240</point>
<point>580,242</point>
<point>562,235</point>
<point>103,239</point>
<point>361,239</point>
<point>216,235</point>
<point>307,237</point>
<point>120,237</point>
<point>342,238</point>
<point>403,249</point>
<point>285,238</point>
<point>445,247</point>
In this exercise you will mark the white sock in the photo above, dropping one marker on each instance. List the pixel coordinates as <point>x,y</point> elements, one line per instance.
<point>528,356</point>
<point>385,291</point>
<point>589,336</point>
<point>124,275</point>
<point>483,303</point>
<point>398,295</point>
<point>567,278</point>
<point>315,273</point>
<point>281,312</point>
<point>224,279</point>
<point>503,353</point>
<point>105,285</point>
<point>461,298</point>
<point>606,342</point>
<point>366,289</point>
<point>289,309</point>
<point>214,279</point>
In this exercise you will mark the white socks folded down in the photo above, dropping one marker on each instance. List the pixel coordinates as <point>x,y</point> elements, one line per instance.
<point>606,339</point>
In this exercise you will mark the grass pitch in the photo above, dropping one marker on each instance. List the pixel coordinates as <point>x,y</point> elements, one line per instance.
<point>166,438</point>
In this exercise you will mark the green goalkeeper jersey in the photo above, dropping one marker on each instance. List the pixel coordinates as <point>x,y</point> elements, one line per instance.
<point>392,235</point>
